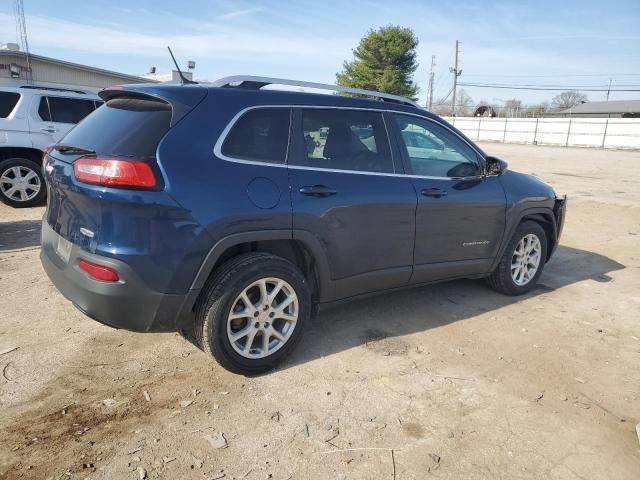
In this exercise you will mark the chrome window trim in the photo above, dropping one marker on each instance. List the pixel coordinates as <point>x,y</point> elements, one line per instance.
<point>217,148</point>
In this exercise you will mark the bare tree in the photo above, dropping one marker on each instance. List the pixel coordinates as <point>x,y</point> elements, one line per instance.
<point>464,102</point>
<point>568,99</point>
<point>537,109</point>
<point>513,107</point>
<point>441,108</point>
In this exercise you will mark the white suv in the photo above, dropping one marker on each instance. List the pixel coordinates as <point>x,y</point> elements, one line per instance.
<point>33,117</point>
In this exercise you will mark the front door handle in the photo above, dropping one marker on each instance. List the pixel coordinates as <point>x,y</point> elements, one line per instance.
<point>434,192</point>
<point>317,191</point>
<point>49,129</point>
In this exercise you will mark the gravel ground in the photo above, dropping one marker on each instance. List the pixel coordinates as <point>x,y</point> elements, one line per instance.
<point>447,381</point>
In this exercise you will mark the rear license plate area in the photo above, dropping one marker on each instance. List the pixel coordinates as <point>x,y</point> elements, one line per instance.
<point>63,249</point>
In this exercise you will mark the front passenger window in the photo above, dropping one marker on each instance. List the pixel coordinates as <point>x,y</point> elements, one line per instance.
<point>434,151</point>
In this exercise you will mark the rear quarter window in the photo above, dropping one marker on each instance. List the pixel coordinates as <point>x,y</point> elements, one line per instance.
<point>8,101</point>
<point>125,126</point>
<point>260,135</point>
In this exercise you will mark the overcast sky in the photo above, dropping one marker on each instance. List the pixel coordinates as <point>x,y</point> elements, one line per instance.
<point>564,43</point>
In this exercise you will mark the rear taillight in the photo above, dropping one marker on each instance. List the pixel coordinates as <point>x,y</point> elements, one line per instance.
<point>46,151</point>
<point>99,272</point>
<point>114,172</point>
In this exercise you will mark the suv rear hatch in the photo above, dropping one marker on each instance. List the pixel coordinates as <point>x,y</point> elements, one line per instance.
<point>106,191</point>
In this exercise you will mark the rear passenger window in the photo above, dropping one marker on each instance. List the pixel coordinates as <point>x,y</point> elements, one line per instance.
<point>65,110</point>
<point>260,135</point>
<point>8,101</point>
<point>345,140</point>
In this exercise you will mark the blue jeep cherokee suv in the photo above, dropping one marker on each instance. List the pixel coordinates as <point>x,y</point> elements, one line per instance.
<point>229,212</point>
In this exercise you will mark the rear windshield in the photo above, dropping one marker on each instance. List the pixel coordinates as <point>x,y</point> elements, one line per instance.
<point>8,101</point>
<point>123,127</point>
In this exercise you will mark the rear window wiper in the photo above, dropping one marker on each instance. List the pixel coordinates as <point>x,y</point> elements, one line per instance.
<point>62,148</point>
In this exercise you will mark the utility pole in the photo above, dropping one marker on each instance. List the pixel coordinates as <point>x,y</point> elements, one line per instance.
<point>456,74</point>
<point>608,90</point>
<point>430,93</point>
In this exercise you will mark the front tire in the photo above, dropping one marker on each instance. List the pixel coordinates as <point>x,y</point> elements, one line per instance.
<point>21,183</point>
<point>522,262</point>
<point>253,312</point>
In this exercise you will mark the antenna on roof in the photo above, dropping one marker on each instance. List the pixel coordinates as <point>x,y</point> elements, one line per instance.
<point>184,79</point>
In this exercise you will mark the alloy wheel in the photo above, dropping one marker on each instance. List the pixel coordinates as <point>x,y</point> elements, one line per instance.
<point>20,183</point>
<point>526,259</point>
<point>262,318</point>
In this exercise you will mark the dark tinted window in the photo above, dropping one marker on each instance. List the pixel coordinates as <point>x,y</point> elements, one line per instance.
<point>8,101</point>
<point>43,109</point>
<point>69,110</point>
<point>261,135</point>
<point>65,110</point>
<point>123,127</point>
<point>345,140</point>
<point>435,151</point>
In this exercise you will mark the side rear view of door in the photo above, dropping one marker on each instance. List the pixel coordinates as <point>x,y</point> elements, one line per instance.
<point>346,190</point>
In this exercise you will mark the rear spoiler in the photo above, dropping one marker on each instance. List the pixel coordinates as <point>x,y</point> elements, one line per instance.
<point>181,98</point>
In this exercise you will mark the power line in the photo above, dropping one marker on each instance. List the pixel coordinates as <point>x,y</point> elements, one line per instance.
<point>556,75</point>
<point>440,85</point>
<point>444,99</point>
<point>557,85</point>
<point>514,87</point>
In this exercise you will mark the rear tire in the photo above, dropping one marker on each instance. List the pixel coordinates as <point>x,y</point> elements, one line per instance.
<point>515,274</point>
<point>21,183</point>
<point>240,320</point>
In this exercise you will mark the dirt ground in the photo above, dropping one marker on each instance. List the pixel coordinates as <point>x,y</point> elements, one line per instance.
<point>449,381</point>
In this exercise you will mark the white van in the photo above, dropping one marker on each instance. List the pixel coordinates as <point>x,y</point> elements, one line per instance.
<point>33,117</point>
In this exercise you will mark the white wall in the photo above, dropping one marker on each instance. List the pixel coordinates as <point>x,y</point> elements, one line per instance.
<point>583,132</point>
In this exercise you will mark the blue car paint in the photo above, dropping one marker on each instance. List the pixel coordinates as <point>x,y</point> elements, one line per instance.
<point>171,238</point>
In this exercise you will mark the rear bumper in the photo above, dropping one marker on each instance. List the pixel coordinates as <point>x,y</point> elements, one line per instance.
<point>127,304</point>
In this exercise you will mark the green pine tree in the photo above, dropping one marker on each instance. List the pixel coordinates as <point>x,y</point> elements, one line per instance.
<point>385,61</point>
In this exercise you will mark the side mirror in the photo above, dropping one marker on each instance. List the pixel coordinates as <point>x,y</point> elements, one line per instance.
<point>495,166</point>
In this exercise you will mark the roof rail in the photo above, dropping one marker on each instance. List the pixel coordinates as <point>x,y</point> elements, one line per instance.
<point>53,89</point>
<point>253,82</point>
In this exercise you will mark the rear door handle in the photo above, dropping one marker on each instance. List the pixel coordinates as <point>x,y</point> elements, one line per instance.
<point>49,129</point>
<point>434,192</point>
<point>317,191</point>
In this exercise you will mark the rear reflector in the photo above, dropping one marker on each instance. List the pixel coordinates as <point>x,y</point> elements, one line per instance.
<point>99,272</point>
<point>114,172</point>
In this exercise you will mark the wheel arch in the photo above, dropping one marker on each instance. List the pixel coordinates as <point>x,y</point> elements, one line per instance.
<point>546,221</point>
<point>300,248</point>
<point>32,154</point>
<point>541,215</point>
